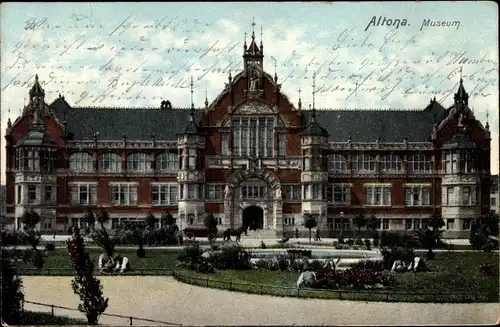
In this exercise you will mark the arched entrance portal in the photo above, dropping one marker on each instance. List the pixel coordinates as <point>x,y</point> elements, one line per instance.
<point>253,218</point>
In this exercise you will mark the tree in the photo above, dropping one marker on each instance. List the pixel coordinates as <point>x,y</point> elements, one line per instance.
<point>90,221</point>
<point>101,236</point>
<point>139,235</point>
<point>210,222</point>
<point>31,236</point>
<point>150,221</point>
<point>85,284</point>
<point>167,219</point>
<point>484,233</point>
<point>309,222</point>
<point>435,222</point>
<point>12,295</point>
<point>429,239</point>
<point>360,221</point>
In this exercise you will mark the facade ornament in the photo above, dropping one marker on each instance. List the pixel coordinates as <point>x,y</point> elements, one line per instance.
<point>227,192</point>
<point>254,80</point>
<point>278,192</point>
<point>253,164</point>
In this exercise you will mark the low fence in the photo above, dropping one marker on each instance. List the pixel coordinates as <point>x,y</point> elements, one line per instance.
<point>129,319</point>
<point>389,295</point>
<point>385,295</point>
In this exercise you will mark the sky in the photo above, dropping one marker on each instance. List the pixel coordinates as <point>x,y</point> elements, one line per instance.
<point>371,55</point>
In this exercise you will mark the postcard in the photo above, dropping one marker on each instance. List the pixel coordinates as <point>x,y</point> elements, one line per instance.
<point>250,163</point>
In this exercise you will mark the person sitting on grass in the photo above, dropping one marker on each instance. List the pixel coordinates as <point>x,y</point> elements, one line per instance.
<point>307,278</point>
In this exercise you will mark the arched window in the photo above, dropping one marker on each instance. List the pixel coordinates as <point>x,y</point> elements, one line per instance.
<point>419,163</point>
<point>138,162</point>
<point>363,163</point>
<point>167,162</point>
<point>391,163</point>
<point>254,136</point>
<point>81,161</point>
<point>110,162</point>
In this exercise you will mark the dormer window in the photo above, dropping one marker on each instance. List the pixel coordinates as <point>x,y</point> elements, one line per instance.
<point>35,160</point>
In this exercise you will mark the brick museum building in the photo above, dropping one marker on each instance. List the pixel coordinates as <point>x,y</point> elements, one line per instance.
<point>250,154</point>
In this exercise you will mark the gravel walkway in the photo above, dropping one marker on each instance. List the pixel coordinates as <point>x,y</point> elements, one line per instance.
<point>163,298</point>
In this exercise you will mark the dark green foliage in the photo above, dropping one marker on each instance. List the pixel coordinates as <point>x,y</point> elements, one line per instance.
<point>38,259</point>
<point>357,278</point>
<point>488,269</point>
<point>391,239</point>
<point>85,285</point>
<point>396,253</point>
<point>30,219</point>
<point>435,222</point>
<point>101,236</point>
<point>360,221</point>
<point>263,245</point>
<point>10,238</point>
<point>167,219</point>
<point>368,244</point>
<point>429,239</point>
<point>375,240</point>
<point>484,233</point>
<point>309,222</point>
<point>350,242</point>
<point>12,295</point>
<point>369,264</point>
<point>150,221</point>
<point>210,222</point>
<point>232,256</point>
<point>358,241</point>
<point>50,247</point>
<point>371,224</point>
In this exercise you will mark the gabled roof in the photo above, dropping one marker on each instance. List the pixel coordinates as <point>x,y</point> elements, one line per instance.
<point>36,137</point>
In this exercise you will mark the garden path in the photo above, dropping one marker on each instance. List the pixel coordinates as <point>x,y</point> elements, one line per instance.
<point>163,298</point>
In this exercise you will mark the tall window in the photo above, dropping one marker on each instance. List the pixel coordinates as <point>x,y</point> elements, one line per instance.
<point>224,144</point>
<point>337,163</point>
<point>282,144</point>
<point>292,192</point>
<point>467,198</point>
<point>138,162</point>
<point>253,136</point>
<point>27,160</point>
<point>391,163</point>
<point>214,191</point>
<point>32,196</point>
<point>450,195</point>
<point>124,194</point>
<point>415,223</point>
<point>313,192</point>
<point>378,195</point>
<point>191,158</point>
<point>417,195</point>
<point>167,162</point>
<point>339,193</point>
<point>313,159</point>
<point>110,162</point>
<point>450,162</point>
<point>419,163</point>
<point>253,192</point>
<point>83,194</point>
<point>469,163</point>
<point>81,162</point>
<point>363,163</point>
<point>164,194</point>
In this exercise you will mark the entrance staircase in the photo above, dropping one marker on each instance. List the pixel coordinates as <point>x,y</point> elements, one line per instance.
<point>261,234</point>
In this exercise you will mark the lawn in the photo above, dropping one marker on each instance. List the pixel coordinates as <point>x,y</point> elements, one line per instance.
<point>59,258</point>
<point>42,318</point>
<point>450,272</point>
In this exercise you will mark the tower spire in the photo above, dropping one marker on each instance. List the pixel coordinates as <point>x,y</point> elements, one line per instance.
<point>314,91</point>
<point>253,29</point>
<point>300,99</point>
<point>206,95</point>
<point>191,114</point>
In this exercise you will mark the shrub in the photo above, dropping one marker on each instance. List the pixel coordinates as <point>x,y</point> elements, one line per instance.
<point>355,247</point>
<point>349,242</point>
<point>214,247</point>
<point>341,239</point>
<point>12,295</point>
<point>263,245</point>
<point>10,238</point>
<point>396,253</point>
<point>375,240</point>
<point>369,264</point>
<point>50,247</point>
<point>316,265</point>
<point>358,241</point>
<point>368,244</point>
<point>38,260</point>
<point>191,253</point>
<point>358,278</point>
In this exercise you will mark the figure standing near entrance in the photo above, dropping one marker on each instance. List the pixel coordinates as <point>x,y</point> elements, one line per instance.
<point>318,238</point>
<point>296,233</point>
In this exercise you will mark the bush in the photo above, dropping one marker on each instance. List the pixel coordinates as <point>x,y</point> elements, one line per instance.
<point>349,242</point>
<point>263,245</point>
<point>10,238</point>
<point>191,253</point>
<point>341,239</point>
<point>375,240</point>
<point>358,241</point>
<point>368,244</point>
<point>38,259</point>
<point>358,278</point>
<point>214,247</point>
<point>396,253</point>
<point>50,247</point>
<point>232,256</point>
<point>12,295</point>
<point>355,247</point>
<point>395,239</point>
<point>375,265</point>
